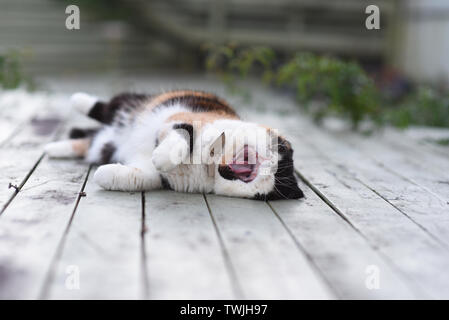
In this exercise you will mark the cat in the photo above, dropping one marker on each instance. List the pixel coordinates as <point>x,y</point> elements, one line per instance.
<point>183,140</point>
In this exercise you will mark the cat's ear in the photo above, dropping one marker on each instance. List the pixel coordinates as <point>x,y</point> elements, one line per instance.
<point>217,146</point>
<point>213,151</point>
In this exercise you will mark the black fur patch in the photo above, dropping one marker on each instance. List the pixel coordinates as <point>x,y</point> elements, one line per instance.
<point>198,103</point>
<point>189,128</point>
<point>105,111</point>
<point>78,133</point>
<point>226,173</point>
<point>286,185</point>
<point>99,112</point>
<point>107,152</point>
<point>164,182</point>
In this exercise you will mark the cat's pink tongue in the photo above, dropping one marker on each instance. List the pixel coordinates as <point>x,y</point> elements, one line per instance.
<point>241,168</point>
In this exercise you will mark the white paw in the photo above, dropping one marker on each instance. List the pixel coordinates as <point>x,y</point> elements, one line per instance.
<point>167,156</point>
<point>83,102</point>
<point>59,149</point>
<point>105,175</point>
<point>161,160</point>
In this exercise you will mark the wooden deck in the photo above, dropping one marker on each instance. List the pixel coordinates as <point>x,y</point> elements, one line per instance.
<point>374,223</point>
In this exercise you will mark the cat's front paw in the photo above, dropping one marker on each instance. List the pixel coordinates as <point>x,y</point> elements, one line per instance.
<point>83,102</point>
<point>58,149</point>
<point>166,157</point>
<point>105,176</point>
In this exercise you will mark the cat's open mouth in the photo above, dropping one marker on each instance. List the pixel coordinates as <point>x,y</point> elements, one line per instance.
<point>244,166</point>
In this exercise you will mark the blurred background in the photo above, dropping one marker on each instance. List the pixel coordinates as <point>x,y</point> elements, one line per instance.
<point>406,58</point>
<point>134,35</point>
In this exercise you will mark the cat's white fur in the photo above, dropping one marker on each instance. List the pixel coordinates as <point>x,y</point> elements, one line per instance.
<point>83,102</point>
<point>60,149</point>
<point>140,164</point>
<point>139,152</point>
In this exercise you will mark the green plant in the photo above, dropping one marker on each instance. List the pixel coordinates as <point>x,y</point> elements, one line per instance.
<point>344,87</point>
<point>442,142</point>
<point>424,106</point>
<point>11,74</point>
<point>335,87</point>
<point>231,61</point>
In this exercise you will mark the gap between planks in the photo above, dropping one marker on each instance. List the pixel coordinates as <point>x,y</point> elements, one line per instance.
<point>53,136</point>
<point>344,218</point>
<point>346,247</point>
<point>369,184</point>
<point>104,240</point>
<point>266,259</point>
<point>236,287</point>
<point>50,274</point>
<point>20,186</point>
<point>302,250</point>
<point>423,228</point>
<point>144,228</point>
<point>184,258</point>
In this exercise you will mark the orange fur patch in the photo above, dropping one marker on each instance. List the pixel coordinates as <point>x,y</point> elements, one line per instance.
<point>202,117</point>
<point>206,102</point>
<point>80,146</point>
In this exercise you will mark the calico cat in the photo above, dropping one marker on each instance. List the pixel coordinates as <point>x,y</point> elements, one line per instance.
<point>187,141</point>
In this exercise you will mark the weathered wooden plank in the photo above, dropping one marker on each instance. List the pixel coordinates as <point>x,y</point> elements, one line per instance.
<point>266,260</point>
<point>418,163</point>
<point>14,172</point>
<point>21,154</point>
<point>183,254</point>
<point>32,226</point>
<point>16,107</point>
<point>429,136</point>
<point>104,245</point>
<point>421,163</point>
<point>341,253</point>
<point>416,140</point>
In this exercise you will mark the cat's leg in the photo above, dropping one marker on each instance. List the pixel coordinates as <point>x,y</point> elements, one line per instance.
<point>78,133</point>
<point>171,152</point>
<point>103,111</point>
<point>83,102</point>
<point>126,178</point>
<point>73,148</point>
